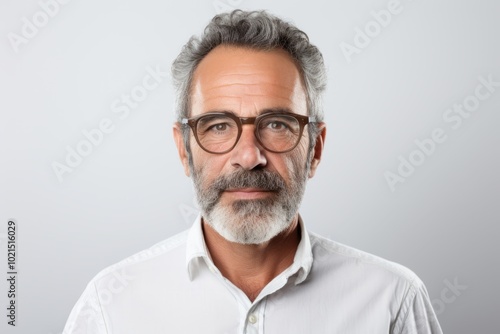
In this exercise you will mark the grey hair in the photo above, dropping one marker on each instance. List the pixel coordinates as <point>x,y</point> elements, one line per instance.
<point>257,30</point>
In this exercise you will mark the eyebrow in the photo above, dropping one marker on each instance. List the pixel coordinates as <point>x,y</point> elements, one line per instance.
<point>277,110</point>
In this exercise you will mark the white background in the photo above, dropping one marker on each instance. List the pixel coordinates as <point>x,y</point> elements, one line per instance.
<point>130,191</point>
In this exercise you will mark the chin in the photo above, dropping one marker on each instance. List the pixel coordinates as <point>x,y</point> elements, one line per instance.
<point>249,228</point>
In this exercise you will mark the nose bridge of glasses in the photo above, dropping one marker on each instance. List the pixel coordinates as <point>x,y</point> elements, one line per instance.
<point>247,120</point>
<point>255,135</point>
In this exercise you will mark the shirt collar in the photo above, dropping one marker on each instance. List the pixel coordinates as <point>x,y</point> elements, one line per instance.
<point>197,253</point>
<point>303,259</point>
<point>196,249</point>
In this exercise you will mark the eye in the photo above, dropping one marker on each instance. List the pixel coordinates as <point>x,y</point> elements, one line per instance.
<point>215,124</point>
<point>219,127</point>
<point>276,125</point>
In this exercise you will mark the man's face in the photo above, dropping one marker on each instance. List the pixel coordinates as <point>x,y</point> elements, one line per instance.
<point>248,195</point>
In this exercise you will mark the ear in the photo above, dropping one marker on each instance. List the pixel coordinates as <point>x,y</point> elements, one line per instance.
<point>318,149</point>
<point>181,148</point>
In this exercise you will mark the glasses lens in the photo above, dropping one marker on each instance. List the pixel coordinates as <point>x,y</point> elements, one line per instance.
<point>216,133</point>
<point>279,133</point>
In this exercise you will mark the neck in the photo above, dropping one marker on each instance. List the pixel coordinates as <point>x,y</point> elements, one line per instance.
<point>252,267</point>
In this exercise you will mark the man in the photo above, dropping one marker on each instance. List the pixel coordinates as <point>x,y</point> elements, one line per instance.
<point>250,132</point>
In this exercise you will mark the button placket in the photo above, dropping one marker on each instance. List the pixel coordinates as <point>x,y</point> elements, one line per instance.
<point>253,318</point>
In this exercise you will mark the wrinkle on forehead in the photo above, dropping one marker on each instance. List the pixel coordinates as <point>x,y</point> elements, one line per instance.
<point>246,80</point>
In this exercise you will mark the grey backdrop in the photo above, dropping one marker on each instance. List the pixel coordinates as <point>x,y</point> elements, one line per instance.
<point>392,83</point>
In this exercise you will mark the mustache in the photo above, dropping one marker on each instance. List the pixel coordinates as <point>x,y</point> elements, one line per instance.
<point>262,179</point>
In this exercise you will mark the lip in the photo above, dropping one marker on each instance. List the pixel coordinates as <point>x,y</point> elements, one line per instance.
<point>248,193</point>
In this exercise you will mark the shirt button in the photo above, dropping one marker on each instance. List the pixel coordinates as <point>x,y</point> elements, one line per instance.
<point>252,319</point>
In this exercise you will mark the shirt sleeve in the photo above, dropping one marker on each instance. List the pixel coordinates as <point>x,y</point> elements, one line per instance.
<point>86,316</point>
<point>416,315</point>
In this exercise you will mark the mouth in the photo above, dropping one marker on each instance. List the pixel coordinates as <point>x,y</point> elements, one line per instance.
<point>247,193</point>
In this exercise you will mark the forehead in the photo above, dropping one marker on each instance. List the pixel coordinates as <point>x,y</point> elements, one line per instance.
<point>247,81</point>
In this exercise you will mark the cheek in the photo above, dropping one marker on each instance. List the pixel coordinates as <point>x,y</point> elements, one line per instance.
<point>295,164</point>
<point>300,153</point>
<point>207,166</point>
<point>303,147</point>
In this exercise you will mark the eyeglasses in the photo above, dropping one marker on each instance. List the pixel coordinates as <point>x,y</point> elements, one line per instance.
<point>218,132</point>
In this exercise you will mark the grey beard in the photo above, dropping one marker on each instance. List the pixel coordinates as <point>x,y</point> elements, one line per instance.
<point>251,221</point>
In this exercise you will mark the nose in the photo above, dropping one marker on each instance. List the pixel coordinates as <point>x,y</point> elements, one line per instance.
<point>248,153</point>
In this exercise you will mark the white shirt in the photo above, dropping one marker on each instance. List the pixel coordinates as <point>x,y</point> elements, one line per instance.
<point>174,287</point>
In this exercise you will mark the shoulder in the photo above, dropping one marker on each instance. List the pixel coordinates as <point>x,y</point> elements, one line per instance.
<point>358,264</point>
<point>360,281</point>
<point>118,282</point>
<point>170,251</point>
